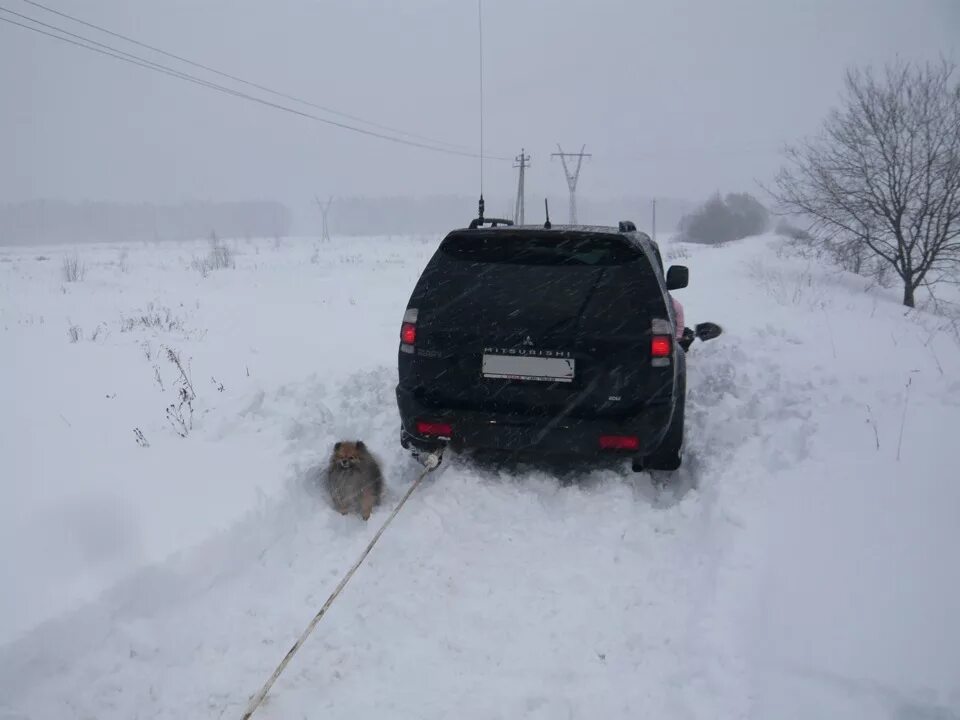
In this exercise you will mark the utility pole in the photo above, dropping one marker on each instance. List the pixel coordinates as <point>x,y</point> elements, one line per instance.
<point>572,177</point>
<point>654,219</point>
<point>325,212</point>
<point>522,161</point>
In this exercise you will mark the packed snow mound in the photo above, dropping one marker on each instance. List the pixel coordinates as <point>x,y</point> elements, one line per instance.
<point>800,566</point>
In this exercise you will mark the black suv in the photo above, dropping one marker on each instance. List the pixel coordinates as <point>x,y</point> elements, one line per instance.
<point>551,339</point>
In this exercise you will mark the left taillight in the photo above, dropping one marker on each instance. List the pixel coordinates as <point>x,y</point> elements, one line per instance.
<point>408,330</point>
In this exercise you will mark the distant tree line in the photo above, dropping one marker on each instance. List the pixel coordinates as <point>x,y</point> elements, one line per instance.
<point>48,222</point>
<point>404,215</point>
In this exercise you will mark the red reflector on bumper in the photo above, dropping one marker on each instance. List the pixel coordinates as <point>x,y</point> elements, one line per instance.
<point>437,429</point>
<point>619,442</point>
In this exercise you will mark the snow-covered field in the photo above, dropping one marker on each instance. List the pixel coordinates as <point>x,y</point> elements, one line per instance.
<point>805,566</point>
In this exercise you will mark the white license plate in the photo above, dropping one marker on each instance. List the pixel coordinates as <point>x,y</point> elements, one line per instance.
<point>543,369</point>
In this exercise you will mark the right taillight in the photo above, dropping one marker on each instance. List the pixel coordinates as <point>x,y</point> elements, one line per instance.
<point>661,346</point>
<point>661,342</point>
<point>408,330</point>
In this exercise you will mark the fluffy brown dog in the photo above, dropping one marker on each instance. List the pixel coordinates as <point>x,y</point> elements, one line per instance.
<point>354,479</point>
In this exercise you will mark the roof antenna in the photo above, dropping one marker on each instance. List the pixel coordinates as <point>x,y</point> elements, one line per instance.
<point>480,205</point>
<point>546,207</point>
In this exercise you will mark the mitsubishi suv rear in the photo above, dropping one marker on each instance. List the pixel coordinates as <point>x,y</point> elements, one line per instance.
<point>552,340</point>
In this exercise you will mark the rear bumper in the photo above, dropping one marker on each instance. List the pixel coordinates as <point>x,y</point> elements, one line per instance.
<point>548,436</point>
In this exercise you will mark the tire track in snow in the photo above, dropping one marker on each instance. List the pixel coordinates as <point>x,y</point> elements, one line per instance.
<point>740,411</point>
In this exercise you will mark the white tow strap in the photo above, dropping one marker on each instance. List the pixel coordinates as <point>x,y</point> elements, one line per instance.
<point>430,462</point>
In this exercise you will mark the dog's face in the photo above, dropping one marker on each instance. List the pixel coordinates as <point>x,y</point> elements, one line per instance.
<point>347,454</point>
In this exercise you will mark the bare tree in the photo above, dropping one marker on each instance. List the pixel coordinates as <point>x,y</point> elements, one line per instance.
<point>883,177</point>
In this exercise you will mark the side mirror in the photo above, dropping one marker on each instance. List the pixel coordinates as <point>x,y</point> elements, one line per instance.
<point>678,276</point>
<point>707,331</point>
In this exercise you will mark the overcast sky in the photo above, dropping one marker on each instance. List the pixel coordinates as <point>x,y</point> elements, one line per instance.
<point>672,97</point>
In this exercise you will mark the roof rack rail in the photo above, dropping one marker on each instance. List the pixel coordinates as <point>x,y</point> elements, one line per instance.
<point>492,222</point>
<point>627,226</point>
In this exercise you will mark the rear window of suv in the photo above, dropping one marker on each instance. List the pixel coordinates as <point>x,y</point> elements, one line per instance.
<point>563,249</point>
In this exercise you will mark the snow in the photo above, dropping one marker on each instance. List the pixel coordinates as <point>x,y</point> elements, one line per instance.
<point>796,570</point>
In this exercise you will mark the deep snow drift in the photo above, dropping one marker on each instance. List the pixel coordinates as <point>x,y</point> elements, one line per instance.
<point>803,567</point>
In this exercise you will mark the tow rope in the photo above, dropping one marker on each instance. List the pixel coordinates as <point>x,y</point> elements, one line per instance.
<point>430,462</point>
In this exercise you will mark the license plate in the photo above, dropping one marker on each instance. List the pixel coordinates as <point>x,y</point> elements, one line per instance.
<point>542,369</point>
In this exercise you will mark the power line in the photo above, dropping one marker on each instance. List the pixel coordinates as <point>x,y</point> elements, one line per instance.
<point>110,51</point>
<point>666,152</point>
<point>119,54</point>
<point>235,78</point>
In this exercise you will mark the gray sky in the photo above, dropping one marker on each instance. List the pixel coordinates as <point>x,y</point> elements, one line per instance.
<point>673,97</point>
